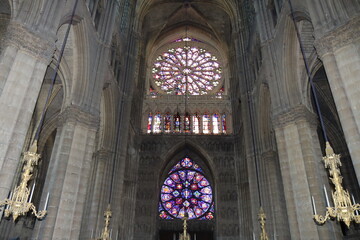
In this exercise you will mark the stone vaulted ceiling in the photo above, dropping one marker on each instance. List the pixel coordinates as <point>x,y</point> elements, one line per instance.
<point>212,17</point>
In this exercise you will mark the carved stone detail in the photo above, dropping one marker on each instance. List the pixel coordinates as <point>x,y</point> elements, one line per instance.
<point>338,38</point>
<point>77,115</point>
<point>298,113</point>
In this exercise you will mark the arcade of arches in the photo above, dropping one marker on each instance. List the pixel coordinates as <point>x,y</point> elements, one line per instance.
<point>167,107</point>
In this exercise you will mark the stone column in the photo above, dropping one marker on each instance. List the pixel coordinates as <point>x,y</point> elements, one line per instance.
<point>340,52</point>
<point>303,173</point>
<point>22,67</point>
<point>97,194</point>
<point>68,175</point>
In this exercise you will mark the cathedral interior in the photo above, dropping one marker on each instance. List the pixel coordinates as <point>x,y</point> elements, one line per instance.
<point>126,119</point>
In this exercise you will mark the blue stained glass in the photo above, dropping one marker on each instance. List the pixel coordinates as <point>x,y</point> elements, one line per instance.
<point>186,190</point>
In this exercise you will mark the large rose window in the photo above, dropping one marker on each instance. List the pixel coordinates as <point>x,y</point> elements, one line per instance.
<point>186,190</point>
<point>189,70</point>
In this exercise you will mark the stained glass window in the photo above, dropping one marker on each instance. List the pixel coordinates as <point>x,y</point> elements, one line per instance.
<point>167,123</point>
<point>216,123</point>
<point>186,189</point>
<point>149,123</point>
<point>189,70</point>
<point>223,119</point>
<point>157,124</point>
<point>196,124</point>
<point>206,124</point>
<point>187,123</point>
<point>177,122</point>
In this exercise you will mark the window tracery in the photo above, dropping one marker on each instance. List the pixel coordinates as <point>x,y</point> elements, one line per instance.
<point>186,189</point>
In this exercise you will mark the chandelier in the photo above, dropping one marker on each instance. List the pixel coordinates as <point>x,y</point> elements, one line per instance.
<point>344,209</point>
<point>19,201</point>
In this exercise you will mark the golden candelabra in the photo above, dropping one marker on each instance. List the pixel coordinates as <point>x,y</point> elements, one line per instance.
<point>185,235</point>
<point>344,209</point>
<point>19,201</point>
<point>106,233</point>
<point>262,220</point>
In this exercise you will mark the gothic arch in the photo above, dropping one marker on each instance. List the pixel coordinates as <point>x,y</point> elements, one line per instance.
<point>196,152</point>
<point>107,131</point>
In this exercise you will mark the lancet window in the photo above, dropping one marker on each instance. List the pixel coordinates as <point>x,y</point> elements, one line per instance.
<point>195,124</point>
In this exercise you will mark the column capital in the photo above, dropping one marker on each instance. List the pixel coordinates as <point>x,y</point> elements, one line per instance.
<point>294,115</point>
<point>75,114</point>
<point>35,44</point>
<point>338,38</point>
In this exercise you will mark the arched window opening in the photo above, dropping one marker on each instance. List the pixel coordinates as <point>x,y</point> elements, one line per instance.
<point>223,121</point>
<point>177,122</point>
<point>149,123</point>
<point>186,190</point>
<point>216,123</point>
<point>206,124</point>
<point>157,123</point>
<point>167,123</point>
<point>187,128</point>
<point>196,124</point>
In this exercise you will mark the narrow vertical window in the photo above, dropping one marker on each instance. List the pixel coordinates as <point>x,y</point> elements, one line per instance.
<point>177,123</point>
<point>187,123</point>
<point>223,120</point>
<point>206,124</point>
<point>196,124</point>
<point>167,123</point>
<point>157,123</point>
<point>216,123</point>
<point>149,125</point>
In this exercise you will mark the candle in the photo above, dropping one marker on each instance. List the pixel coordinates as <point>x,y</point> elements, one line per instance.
<point>326,196</point>
<point>32,192</point>
<point>353,199</point>
<point>92,233</point>
<point>194,236</point>
<point>254,236</point>
<point>46,202</point>
<point>7,206</point>
<point>313,204</point>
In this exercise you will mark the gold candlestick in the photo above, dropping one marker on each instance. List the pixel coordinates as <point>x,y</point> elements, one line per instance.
<point>262,220</point>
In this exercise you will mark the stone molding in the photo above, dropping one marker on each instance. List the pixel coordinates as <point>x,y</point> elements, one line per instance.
<point>295,115</point>
<point>75,114</point>
<point>338,38</point>
<point>104,155</point>
<point>20,37</point>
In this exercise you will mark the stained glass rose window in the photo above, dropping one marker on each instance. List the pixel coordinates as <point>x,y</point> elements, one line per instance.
<point>186,189</point>
<point>190,70</point>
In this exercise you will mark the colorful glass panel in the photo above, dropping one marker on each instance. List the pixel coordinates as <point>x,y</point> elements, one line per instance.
<point>196,124</point>
<point>186,189</point>
<point>150,117</point>
<point>216,123</point>
<point>187,123</point>
<point>206,124</point>
<point>189,70</point>
<point>167,123</point>
<point>157,123</point>
<point>177,122</point>
<point>223,119</point>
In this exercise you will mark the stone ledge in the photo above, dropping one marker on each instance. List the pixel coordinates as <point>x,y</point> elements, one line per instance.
<point>339,37</point>
<point>294,115</point>
<point>75,114</point>
<point>20,37</point>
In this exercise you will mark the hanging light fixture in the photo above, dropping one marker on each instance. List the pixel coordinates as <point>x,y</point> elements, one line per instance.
<point>345,209</point>
<point>19,201</point>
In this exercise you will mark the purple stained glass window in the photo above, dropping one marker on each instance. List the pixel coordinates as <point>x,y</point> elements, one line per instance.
<point>186,189</point>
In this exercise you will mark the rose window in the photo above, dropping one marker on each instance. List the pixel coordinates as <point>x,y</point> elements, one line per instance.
<point>186,190</point>
<point>189,70</point>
